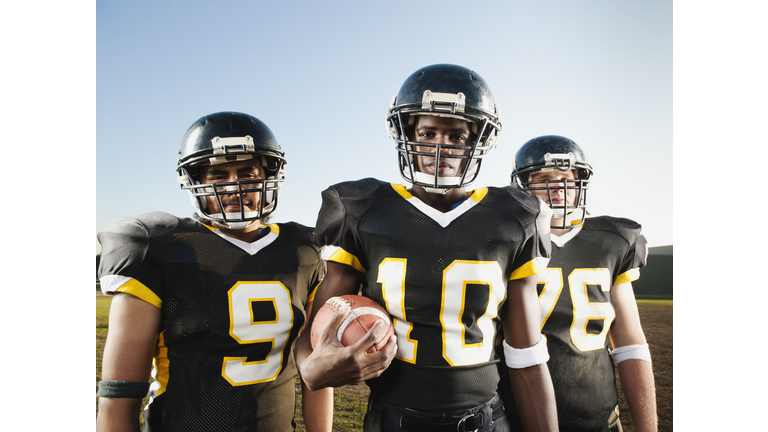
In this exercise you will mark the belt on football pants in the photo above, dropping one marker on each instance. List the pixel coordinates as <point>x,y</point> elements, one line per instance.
<point>468,423</point>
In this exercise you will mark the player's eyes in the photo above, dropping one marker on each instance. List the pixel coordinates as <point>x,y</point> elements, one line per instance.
<point>248,175</point>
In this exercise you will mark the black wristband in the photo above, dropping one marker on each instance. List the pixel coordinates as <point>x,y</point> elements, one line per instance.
<point>122,389</point>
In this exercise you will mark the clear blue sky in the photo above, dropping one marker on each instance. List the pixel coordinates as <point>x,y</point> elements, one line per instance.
<point>321,74</point>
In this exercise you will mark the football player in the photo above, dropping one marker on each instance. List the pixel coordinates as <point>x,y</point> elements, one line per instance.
<point>449,265</point>
<point>586,295</point>
<point>214,303</point>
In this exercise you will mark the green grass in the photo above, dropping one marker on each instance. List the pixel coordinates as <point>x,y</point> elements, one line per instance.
<point>349,406</point>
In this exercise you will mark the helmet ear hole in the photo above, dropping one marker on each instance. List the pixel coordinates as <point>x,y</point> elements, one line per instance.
<point>270,165</point>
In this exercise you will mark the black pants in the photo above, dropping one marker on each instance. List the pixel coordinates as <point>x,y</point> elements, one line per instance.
<point>385,417</point>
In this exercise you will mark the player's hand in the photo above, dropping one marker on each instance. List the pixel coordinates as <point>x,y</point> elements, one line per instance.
<point>332,365</point>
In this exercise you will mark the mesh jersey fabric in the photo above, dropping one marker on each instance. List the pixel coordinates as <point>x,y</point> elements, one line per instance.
<point>443,285</point>
<point>228,323</point>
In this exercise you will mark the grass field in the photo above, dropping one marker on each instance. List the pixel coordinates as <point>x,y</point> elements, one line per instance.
<point>350,401</point>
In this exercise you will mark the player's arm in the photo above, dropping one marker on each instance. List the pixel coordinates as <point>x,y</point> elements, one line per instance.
<point>331,364</point>
<point>635,371</point>
<point>317,406</point>
<point>133,330</point>
<point>531,384</point>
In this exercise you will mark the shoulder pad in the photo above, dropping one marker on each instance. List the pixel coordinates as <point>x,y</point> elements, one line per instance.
<point>155,225</point>
<point>355,197</point>
<point>297,231</point>
<point>524,206</point>
<point>126,242</point>
<point>626,228</point>
<point>357,188</point>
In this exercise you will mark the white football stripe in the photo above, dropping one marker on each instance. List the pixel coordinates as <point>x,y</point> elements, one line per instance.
<point>354,313</point>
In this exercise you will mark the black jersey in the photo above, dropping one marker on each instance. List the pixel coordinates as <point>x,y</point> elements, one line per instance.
<point>441,276</point>
<point>576,311</point>
<point>231,312</point>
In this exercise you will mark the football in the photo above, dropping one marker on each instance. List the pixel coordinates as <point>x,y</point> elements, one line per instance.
<point>363,314</point>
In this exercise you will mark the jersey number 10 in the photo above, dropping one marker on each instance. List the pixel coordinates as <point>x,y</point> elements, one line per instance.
<point>456,277</point>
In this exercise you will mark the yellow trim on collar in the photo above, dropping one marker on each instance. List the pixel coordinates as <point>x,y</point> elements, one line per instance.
<point>479,194</point>
<point>343,257</point>
<point>138,289</point>
<point>532,267</point>
<point>273,227</point>
<point>400,189</point>
<point>630,275</point>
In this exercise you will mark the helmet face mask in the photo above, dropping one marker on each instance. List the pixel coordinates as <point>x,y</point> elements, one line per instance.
<point>224,138</point>
<point>552,153</point>
<point>450,92</point>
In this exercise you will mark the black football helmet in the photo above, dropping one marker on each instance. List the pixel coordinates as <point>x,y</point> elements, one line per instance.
<point>548,153</point>
<point>444,90</point>
<point>228,137</point>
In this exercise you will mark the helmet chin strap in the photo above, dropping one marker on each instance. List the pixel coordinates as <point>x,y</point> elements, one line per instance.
<point>233,225</point>
<point>572,219</point>
<point>449,182</point>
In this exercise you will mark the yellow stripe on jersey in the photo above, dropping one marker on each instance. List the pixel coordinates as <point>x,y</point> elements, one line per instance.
<point>138,289</point>
<point>343,257</point>
<point>161,364</point>
<point>630,275</point>
<point>311,296</point>
<point>272,228</point>
<point>532,267</point>
<point>479,194</point>
<point>400,189</point>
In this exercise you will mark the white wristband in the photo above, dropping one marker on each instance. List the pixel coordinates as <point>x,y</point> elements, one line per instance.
<point>526,357</point>
<point>628,352</point>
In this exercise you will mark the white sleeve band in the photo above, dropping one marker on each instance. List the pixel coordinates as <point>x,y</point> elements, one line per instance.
<point>628,352</point>
<point>526,357</point>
